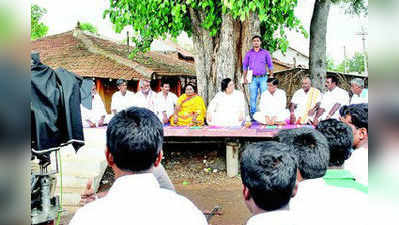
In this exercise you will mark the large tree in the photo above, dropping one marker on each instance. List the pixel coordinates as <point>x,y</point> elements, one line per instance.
<point>221,30</point>
<point>38,29</point>
<point>318,32</point>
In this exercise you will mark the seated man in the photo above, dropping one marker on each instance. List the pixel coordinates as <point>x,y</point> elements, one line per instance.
<point>314,195</point>
<point>227,108</point>
<point>123,98</point>
<point>272,105</point>
<point>333,99</point>
<point>165,102</point>
<point>145,97</point>
<point>95,116</point>
<point>304,102</point>
<point>356,116</point>
<point>340,139</point>
<point>133,149</point>
<point>268,173</point>
<point>358,91</point>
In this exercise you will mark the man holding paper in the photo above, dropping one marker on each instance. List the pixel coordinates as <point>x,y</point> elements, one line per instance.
<point>255,64</point>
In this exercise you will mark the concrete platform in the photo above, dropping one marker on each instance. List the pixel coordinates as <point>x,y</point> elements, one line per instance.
<point>78,168</point>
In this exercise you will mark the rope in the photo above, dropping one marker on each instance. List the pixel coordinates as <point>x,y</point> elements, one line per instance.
<point>60,210</point>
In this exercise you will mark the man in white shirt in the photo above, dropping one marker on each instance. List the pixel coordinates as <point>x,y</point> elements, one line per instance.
<point>357,87</point>
<point>145,97</point>
<point>272,106</point>
<point>315,200</point>
<point>123,98</point>
<point>165,102</point>
<point>304,102</point>
<point>268,173</point>
<point>95,116</point>
<point>356,116</point>
<point>227,108</point>
<point>332,100</point>
<point>133,149</point>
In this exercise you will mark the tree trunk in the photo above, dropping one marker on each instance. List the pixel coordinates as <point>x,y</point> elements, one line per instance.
<point>317,51</point>
<point>221,56</point>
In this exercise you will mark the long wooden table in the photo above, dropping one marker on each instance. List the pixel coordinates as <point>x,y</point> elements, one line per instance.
<point>232,136</point>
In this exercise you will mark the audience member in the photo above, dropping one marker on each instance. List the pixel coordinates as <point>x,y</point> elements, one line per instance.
<point>340,140</point>
<point>268,173</point>
<point>134,148</point>
<point>315,199</point>
<point>356,116</point>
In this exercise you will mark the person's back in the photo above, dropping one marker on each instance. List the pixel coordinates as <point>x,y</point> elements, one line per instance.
<point>134,142</point>
<point>268,173</point>
<point>315,201</point>
<point>138,199</point>
<point>340,140</point>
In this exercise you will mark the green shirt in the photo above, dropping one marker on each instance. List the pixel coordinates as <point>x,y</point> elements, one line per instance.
<point>343,178</point>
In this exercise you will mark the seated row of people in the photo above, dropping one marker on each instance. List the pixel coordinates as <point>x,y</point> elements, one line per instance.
<point>228,107</point>
<point>297,178</point>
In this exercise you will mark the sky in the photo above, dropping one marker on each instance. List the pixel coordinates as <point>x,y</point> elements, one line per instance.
<point>62,16</point>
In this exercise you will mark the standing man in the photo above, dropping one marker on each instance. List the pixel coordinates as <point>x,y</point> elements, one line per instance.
<point>145,97</point>
<point>121,99</point>
<point>166,102</point>
<point>333,99</point>
<point>257,61</point>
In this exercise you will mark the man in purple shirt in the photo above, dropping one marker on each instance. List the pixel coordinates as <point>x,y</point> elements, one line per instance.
<point>256,60</point>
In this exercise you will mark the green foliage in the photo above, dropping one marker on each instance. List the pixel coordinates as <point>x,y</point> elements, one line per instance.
<point>38,29</point>
<point>157,18</point>
<point>88,27</point>
<point>353,65</point>
<point>330,64</point>
<point>354,7</point>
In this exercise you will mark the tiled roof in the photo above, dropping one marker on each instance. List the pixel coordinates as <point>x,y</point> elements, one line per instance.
<point>162,64</point>
<point>70,52</point>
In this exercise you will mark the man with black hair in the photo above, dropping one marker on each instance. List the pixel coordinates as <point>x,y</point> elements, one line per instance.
<point>165,103</point>
<point>268,173</point>
<point>314,195</point>
<point>227,108</point>
<point>133,150</point>
<point>340,139</point>
<point>332,100</point>
<point>256,62</point>
<point>272,105</point>
<point>123,98</point>
<point>356,116</point>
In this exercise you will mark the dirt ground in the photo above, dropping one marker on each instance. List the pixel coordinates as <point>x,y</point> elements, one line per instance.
<point>198,172</point>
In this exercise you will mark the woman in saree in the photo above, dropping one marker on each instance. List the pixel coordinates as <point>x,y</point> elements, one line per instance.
<point>190,109</point>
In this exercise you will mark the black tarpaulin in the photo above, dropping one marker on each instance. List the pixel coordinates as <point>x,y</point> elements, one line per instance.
<point>55,107</point>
